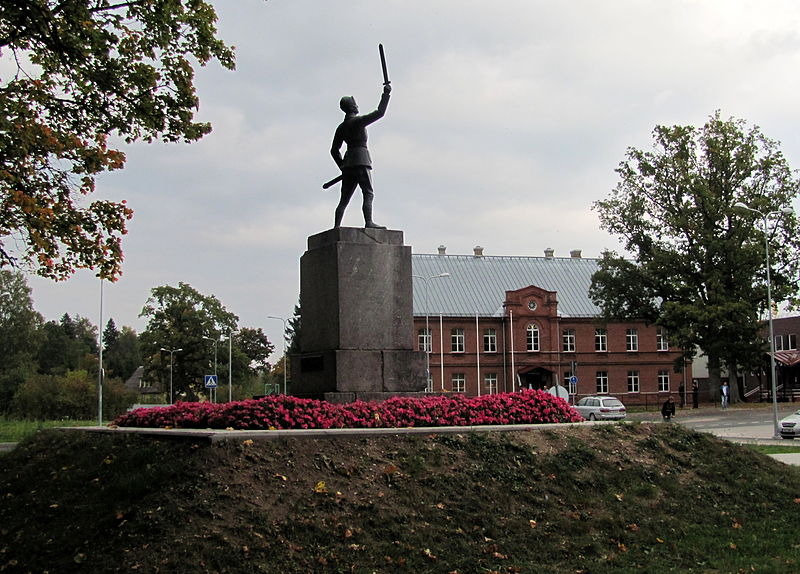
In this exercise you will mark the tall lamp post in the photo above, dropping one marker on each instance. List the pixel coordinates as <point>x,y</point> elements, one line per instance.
<point>230,365</point>
<point>285,366</point>
<point>171,352</point>
<point>213,392</point>
<point>428,338</point>
<point>773,372</point>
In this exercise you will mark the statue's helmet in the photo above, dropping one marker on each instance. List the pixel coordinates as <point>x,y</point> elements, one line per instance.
<point>348,104</point>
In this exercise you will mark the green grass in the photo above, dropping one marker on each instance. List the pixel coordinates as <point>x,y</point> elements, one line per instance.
<point>770,449</point>
<point>12,430</point>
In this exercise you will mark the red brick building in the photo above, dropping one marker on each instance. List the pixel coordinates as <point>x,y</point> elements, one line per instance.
<point>498,324</point>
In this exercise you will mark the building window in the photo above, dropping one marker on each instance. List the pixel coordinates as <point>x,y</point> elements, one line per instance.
<point>533,337</point>
<point>633,381</point>
<point>779,342</point>
<point>601,340</point>
<point>490,380</point>
<point>568,340</point>
<point>631,340</point>
<point>601,381</point>
<point>792,339</point>
<point>459,383</point>
<point>457,340</point>
<point>425,340</point>
<point>490,341</point>
<point>663,381</point>
<point>662,343</point>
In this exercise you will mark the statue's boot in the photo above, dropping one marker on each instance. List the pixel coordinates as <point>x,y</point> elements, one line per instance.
<point>368,216</point>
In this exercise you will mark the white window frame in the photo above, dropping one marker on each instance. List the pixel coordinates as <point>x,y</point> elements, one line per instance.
<point>458,383</point>
<point>631,339</point>
<point>779,342</point>
<point>568,340</point>
<point>662,341</point>
<point>663,381</point>
<point>601,382</point>
<point>792,342</point>
<point>634,382</point>
<point>533,338</point>
<point>425,341</point>
<point>601,340</point>
<point>457,343</point>
<point>490,341</point>
<point>490,381</point>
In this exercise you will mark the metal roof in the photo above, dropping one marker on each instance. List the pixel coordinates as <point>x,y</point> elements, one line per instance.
<point>477,284</point>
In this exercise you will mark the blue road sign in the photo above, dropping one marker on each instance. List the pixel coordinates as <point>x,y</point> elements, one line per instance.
<point>211,381</point>
<point>573,379</point>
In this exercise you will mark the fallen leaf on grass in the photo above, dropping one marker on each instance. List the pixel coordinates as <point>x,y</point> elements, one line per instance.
<point>280,476</point>
<point>248,442</point>
<point>533,523</point>
<point>320,487</point>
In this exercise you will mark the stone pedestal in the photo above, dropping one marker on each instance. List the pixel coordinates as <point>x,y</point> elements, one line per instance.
<point>357,329</point>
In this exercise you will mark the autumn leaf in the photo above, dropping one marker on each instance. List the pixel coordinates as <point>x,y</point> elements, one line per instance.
<point>320,487</point>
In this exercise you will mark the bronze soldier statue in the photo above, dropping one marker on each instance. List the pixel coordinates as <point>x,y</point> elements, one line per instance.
<point>356,164</point>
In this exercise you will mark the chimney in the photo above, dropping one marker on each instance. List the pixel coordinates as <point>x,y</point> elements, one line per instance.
<point>442,250</point>
<point>477,251</point>
<point>575,253</point>
<point>548,252</point>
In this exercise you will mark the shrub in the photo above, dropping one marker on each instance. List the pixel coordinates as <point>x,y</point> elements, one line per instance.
<point>287,412</point>
<point>72,396</point>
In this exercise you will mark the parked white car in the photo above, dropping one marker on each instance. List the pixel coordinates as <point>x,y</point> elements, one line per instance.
<point>790,426</point>
<point>601,408</point>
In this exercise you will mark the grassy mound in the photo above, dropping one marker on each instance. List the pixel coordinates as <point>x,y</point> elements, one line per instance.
<point>590,499</point>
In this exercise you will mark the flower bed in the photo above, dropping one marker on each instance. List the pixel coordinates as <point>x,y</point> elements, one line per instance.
<point>287,412</point>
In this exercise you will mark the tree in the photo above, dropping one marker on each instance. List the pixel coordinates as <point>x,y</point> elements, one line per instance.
<point>255,346</point>
<point>699,266</point>
<point>68,345</point>
<point>183,318</point>
<point>86,69</point>
<point>110,335</point>
<point>123,355</point>
<point>19,334</point>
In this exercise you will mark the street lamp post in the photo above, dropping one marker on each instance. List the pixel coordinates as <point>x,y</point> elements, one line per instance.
<point>428,338</point>
<point>285,366</point>
<point>171,352</point>
<point>213,392</point>
<point>773,372</point>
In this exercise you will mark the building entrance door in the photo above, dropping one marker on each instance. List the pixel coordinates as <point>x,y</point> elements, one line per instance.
<point>537,378</point>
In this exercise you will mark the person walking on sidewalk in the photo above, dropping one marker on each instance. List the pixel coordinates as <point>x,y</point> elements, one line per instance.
<point>695,393</point>
<point>724,394</point>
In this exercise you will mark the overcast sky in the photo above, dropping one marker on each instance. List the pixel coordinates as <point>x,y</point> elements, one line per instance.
<point>506,122</point>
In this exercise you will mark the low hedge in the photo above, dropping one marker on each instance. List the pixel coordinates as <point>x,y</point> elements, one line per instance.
<point>287,412</point>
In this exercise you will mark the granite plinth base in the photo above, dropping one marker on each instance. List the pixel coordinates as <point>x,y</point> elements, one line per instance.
<point>359,371</point>
<point>357,330</point>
